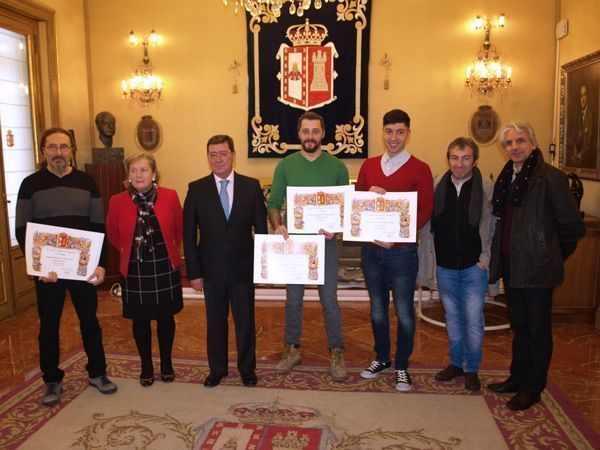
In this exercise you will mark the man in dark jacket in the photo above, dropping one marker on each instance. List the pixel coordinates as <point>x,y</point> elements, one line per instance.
<point>220,213</point>
<point>539,226</point>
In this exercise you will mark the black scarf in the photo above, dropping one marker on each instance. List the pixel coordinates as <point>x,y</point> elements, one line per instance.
<point>143,237</point>
<point>475,202</point>
<point>502,188</point>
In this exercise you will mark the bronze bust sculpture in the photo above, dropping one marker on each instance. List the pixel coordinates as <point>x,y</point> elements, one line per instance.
<point>106,126</point>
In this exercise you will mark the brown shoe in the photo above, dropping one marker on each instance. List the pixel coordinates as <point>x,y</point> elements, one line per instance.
<point>338,366</point>
<point>290,359</point>
<point>472,382</point>
<point>449,373</point>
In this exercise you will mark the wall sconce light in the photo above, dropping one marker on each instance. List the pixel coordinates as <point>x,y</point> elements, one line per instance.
<point>488,73</point>
<point>143,86</point>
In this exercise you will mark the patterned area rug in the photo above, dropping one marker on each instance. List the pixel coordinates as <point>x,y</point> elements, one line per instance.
<point>303,410</point>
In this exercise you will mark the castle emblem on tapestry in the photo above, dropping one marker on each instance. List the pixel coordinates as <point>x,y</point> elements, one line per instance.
<point>319,62</point>
<point>307,73</point>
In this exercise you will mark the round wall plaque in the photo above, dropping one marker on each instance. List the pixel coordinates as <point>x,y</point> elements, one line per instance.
<point>483,125</point>
<point>148,134</point>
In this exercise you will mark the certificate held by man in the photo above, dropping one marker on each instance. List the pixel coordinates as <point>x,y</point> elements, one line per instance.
<point>299,259</point>
<point>391,217</point>
<point>71,253</point>
<point>311,209</point>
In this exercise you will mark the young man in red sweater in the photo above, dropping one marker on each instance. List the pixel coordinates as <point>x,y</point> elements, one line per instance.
<point>394,266</point>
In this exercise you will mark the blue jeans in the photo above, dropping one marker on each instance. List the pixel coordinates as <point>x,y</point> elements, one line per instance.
<point>395,269</point>
<point>332,313</point>
<point>463,295</point>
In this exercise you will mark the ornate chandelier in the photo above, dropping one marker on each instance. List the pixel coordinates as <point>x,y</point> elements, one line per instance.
<point>143,86</point>
<point>488,73</point>
<point>258,7</point>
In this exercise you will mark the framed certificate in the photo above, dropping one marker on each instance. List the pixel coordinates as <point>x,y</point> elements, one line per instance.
<point>297,260</point>
<point>73,254</point>
<point>391,217</point>
<point>310,209</point>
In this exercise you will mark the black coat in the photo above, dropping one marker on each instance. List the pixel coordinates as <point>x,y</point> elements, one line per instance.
<point>217,249</point>
<point>544,232</point>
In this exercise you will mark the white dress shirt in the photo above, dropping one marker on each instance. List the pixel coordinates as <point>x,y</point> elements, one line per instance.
<point>390,164</point>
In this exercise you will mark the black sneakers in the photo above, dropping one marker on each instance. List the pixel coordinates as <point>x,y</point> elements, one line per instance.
<point>403,381</point>
<point>375,369</point>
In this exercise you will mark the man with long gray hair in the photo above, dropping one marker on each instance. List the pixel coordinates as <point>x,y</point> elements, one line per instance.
<point>538,228</point>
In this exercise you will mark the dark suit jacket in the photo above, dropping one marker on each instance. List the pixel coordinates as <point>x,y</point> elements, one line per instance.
<point>217,249</point>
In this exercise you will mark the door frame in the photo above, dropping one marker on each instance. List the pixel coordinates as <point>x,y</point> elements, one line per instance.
<point>38,23</point>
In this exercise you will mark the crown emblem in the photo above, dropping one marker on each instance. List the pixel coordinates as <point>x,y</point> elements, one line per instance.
<point>274,413</point>
<point>306,34</point>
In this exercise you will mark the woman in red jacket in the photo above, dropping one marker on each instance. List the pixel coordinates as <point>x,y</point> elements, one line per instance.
<point>144,224</point>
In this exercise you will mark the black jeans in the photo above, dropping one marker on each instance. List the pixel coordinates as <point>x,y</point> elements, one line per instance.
<point>50,302</point>
<point>530,314</point>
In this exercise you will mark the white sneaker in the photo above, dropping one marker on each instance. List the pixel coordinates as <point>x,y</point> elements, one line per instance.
<point>403,381</point>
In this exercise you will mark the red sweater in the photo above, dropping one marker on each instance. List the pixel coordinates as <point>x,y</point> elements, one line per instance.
<point>413,176</point>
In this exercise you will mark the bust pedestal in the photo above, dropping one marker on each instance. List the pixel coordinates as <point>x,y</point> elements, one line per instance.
<point>108,171</point>
<point>108,155</point>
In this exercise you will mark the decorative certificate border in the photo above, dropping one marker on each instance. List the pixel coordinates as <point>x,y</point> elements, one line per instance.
<point>402,203</point>
<point>82,259</point>
<point>61,240</point>
<point>290,247</point>
<point>381,205</point>
<point>318,198</point>
<point>300,197</point>
<point>268,246</point>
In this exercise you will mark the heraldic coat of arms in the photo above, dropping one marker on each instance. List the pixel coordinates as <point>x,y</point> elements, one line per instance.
<point>306,75</point>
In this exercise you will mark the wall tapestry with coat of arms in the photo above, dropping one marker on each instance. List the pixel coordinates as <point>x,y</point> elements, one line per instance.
<point>318,62</point>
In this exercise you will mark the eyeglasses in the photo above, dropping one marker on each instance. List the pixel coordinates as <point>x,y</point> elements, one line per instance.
<point>55,147</point>
<point>222,155</point>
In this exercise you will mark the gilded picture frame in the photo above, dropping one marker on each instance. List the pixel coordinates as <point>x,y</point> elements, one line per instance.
<point>579,143</point>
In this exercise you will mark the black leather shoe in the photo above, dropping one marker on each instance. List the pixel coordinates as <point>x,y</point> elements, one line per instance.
<point>449,373</point>
<point>146,382</point>
<point>523,400</point>
<point>472,382</point>
<point>249,379</point>
<point>168,378</point>
<point>212,380</point>
<point>504,387</point>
